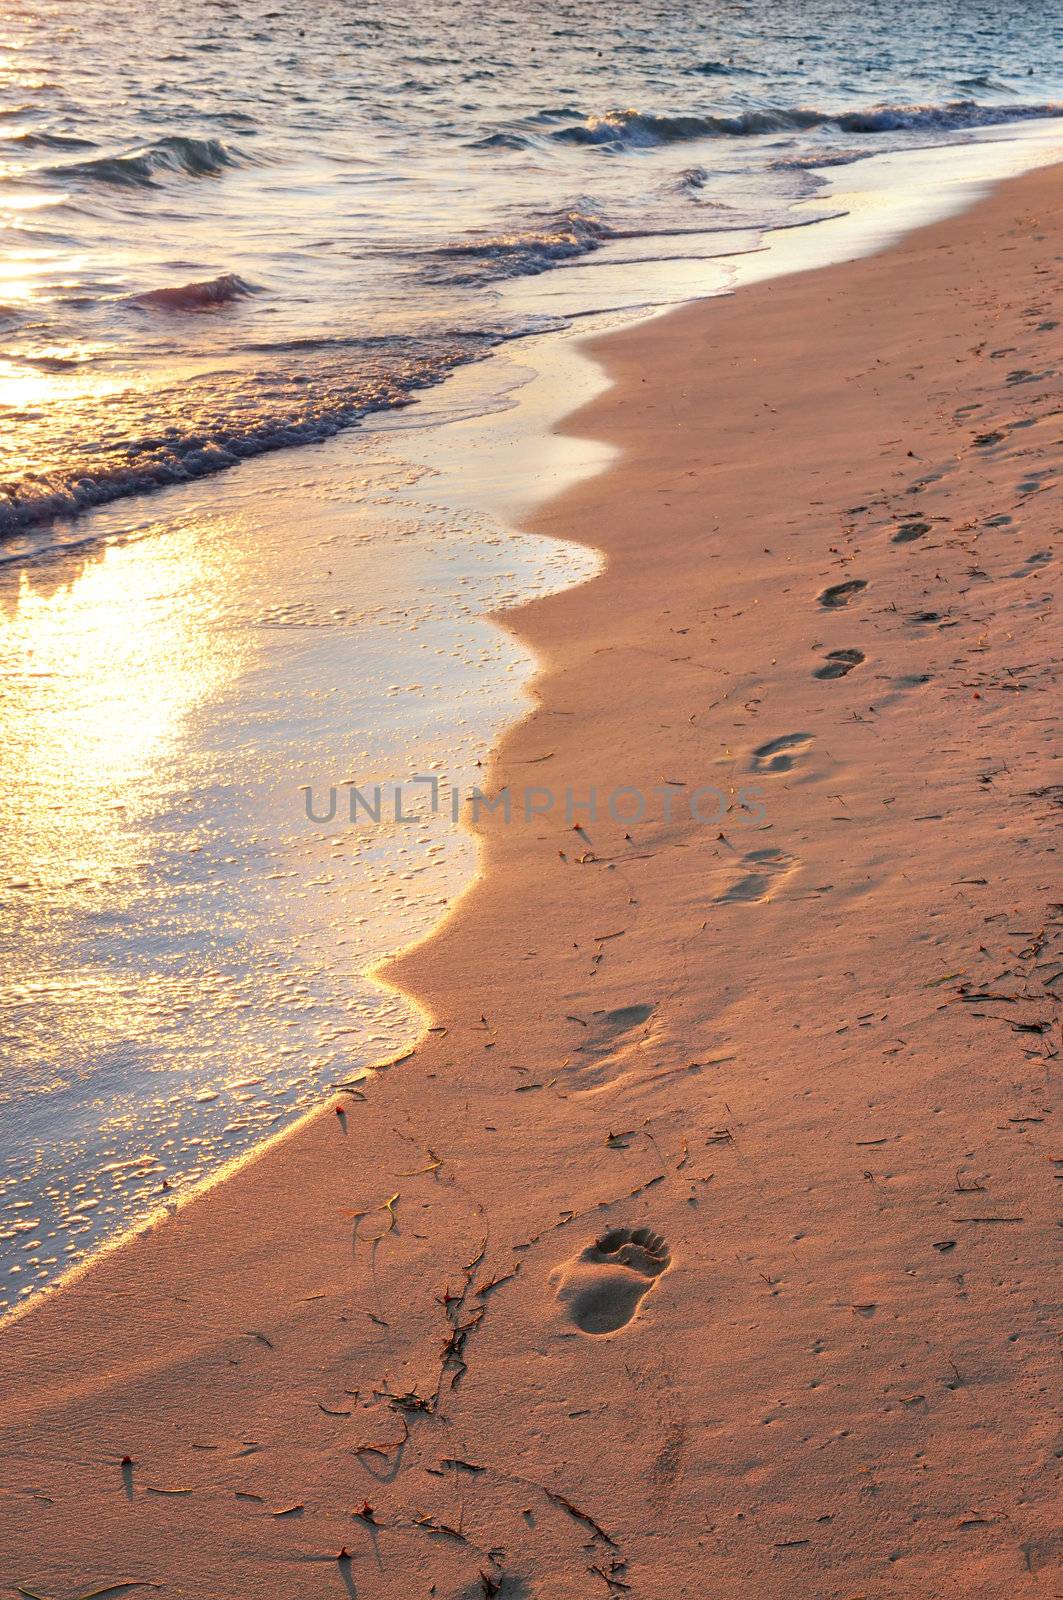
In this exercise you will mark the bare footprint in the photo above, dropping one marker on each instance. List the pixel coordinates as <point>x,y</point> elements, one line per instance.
<point>839,594</point>
<point>600,1288</point>
<point>838,663</point>
<point>780,755</point>
<point>761,875</point>
<point>1040,558</point>
<point>908,531</point>
<point>612,1045</point>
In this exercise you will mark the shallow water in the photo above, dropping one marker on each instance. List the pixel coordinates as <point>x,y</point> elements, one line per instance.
<point>187,933</point>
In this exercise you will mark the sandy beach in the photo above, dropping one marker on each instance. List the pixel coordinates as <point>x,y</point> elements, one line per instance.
<point>707,1245</point>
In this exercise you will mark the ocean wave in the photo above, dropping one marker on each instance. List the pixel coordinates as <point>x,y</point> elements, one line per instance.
<point>821,158</point>
<point>631,129</point>
<point>189,432</point>
<point>200,296</point>
<point>690,181</point>
<point>44,139</point>
<point>715,69</point>
<point>501,141</point>
<point>175,154</point>
<point>956,115</point>
<point>560,237</point>
<point>982,80</point>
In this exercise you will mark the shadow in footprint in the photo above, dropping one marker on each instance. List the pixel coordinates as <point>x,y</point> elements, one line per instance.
<point>763,873</point>
<point>1040,558</point>
<point>839,594</point>
<point>779,755</point>
<point>599,1289</point>
<point>611,1045</point>
<point>838,663</point>
<point>909,531</point>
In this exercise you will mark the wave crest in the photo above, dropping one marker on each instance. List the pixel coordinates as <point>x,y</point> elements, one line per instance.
<point>630,129</point>
<point>562,236</point>
<point>176,154</point>
<point>200,296</point>
<point>190,431</point>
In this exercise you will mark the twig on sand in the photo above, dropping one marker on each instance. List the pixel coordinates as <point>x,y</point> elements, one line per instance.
<point>432,1526</point>
<point>387,1205</point>
<point>434,1164</point>
<point>384,1450</point>
<point>580,1516</point>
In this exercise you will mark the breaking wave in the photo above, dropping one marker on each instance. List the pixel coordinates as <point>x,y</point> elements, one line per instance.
<point>630,129</point>
<point>188,432</point>
<point>174,155</point>
<point>562,236</point>
<point>202,296</point>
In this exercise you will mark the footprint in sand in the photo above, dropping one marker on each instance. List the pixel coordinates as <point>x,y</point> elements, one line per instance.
<point>1040,558</point>
<point>1037,482</point>
<point>838,663</point>
<point>908,531</point>
<point>612,1045</point>
<point>780,755</point>
<point>600,1288</point>
<point>761,875</point>
<point>839,594</point>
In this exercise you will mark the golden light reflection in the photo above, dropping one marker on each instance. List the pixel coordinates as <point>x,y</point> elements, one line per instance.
<point>30,200</point>
<point>23,388</point>
<point>99,677</point>
<point>19,271</point>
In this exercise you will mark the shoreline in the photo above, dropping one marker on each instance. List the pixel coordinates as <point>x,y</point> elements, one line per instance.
<point>474,462</point>
<point>671,1114</point>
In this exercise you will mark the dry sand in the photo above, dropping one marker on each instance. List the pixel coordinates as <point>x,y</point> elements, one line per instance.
<point>706,1246</point>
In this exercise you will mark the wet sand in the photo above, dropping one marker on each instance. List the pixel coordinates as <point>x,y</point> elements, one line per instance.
<point>706,1245</point>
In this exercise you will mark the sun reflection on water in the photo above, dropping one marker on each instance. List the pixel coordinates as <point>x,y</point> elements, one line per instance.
<point>99,677</point>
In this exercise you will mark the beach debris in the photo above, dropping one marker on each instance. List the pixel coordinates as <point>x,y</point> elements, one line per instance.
<point>410,1400</point>
<point>611,1576</point>
<point>580,1516</point>
<point>431,1525</point>
<point>987,1219</point>
<point>434,1164</point>
<point>387,1206</point>
<point>491,1284</point>
<point>389,1447</point>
